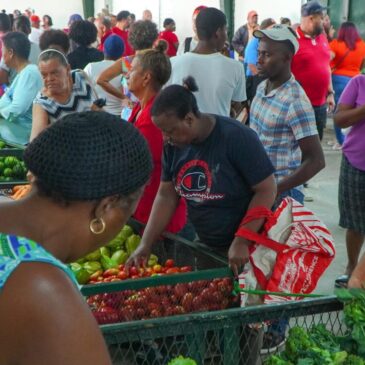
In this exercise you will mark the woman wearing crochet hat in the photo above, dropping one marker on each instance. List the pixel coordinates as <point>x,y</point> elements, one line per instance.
<point>80,199</point>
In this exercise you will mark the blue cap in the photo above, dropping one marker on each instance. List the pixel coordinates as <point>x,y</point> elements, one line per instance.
<point>312,8</point>
<point>74,18</point>
<point>113,47</point>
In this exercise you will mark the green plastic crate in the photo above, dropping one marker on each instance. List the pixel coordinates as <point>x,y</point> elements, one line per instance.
<point>226,337</point>
<point>16,151</point>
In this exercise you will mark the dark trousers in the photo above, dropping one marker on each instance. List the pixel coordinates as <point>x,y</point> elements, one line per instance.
<point>320,113</point>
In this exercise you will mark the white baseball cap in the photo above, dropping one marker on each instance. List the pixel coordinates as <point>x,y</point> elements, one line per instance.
<point>279,32</point>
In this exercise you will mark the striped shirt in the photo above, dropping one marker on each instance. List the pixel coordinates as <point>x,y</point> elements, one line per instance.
<point>81,99</point>
<point>281,118</point>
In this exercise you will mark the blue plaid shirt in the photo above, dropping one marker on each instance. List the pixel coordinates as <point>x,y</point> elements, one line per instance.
<point>281,118</point>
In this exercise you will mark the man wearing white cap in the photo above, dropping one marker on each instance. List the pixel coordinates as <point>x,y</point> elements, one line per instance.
<point>283,117</point>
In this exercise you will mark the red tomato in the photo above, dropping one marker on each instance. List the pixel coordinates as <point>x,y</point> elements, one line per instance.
<point>110,314</point>
<point>122,275</point>
<point>172,270</point>
<point>169,263</point>
<point>135,277</point>
<point>133,271</point>
<point>187,302</point>
<point>152,306</point>
<point>179,309</point>
<point>110,272</point>
<point>180,290</point>
<point>169,311</point>
<point>121,267</point>
<point>186,269</point>
<point>155,313</point>
<point>126,314</point>
<point>197,303</point>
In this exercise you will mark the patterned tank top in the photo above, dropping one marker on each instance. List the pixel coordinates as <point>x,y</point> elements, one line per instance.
<point>16,250</point>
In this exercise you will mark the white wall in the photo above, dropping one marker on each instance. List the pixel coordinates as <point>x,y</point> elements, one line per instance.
<point>267,9</point>
<point>60,11</point>
<point>180,10</point>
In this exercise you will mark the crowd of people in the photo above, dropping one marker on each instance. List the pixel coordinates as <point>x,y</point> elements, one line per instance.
<point>220,137</point>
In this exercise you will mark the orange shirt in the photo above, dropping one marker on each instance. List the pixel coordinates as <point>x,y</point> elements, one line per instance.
<point>349,66</point>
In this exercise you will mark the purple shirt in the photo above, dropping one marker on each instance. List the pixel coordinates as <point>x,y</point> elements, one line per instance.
<point>354,145</point>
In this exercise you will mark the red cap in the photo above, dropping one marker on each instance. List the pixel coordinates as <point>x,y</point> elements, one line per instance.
<point>35,19</point>
<point>199,9</point>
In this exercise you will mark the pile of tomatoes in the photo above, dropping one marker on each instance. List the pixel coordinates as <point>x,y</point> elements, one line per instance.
<point>163,300</point>
<point>133,272</point>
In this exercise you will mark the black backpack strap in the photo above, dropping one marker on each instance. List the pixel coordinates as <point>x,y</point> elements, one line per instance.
<point>187,44</point>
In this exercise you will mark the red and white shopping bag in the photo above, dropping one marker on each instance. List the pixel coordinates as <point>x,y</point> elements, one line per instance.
<point>289,255</point>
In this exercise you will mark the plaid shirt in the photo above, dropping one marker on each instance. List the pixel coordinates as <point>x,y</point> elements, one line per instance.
<point>281,118</point>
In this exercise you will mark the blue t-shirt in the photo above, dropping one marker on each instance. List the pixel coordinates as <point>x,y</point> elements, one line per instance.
<point>251,54</point>
<point>215,177</point>
<point>16,105</point>
<point>16,250</point>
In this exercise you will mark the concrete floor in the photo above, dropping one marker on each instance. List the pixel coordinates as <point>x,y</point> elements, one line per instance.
<point>324,189</point>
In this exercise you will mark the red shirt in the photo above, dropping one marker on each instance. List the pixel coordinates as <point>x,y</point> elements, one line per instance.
<point>171,38</point>
<point>310,67</point>
<point>103,39</point>
<point>128,50</point>
<point>154,138</point>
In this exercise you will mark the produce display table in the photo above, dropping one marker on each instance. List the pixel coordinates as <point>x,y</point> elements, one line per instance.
<point>202,331</point>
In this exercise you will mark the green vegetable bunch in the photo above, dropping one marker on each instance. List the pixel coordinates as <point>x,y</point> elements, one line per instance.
<point>317,346</point>
<point>354,311</point>
<point>182,361</point>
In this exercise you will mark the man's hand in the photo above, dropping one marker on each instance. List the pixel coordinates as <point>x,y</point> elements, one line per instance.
<point>331,102</point>
<point>238,255</point>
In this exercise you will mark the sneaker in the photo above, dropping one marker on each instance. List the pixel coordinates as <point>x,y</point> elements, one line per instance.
<point>341,281</point>
<point>272,342</point>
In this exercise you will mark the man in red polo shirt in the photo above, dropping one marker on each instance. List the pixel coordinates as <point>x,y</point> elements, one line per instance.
<point>121,29</point>
<point>310,65</point>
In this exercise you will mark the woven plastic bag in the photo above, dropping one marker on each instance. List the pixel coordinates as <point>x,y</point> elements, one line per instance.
<point>289,255</point>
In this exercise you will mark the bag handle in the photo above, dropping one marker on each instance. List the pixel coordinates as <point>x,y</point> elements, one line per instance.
<point>261,239</point>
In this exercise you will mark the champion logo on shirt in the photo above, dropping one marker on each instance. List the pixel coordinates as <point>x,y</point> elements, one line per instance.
<point>194,182</point>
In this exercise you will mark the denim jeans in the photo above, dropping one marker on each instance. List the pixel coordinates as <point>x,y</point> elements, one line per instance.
<point>320,113</point>
<point>339,83</point>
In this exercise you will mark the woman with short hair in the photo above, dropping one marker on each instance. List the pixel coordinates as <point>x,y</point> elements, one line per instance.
<point>64,91</point>
<point>84,34</point>
<point>16,103</point>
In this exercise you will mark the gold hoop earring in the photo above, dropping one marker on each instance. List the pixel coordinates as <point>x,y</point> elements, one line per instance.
<point>97,222</point>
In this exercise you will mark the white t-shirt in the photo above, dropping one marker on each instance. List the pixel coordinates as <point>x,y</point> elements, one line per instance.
<point>93,70</point>
<point>34,53</point>
<point>35,35</point>
<point>220,80</point>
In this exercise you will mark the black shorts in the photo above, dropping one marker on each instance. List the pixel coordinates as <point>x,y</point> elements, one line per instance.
<point>351,197</point>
